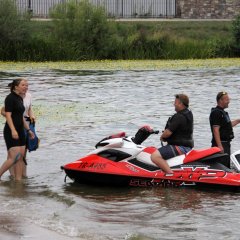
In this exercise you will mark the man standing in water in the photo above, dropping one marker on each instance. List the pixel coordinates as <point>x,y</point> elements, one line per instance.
<point>178,134</point>
<point>221,125</point>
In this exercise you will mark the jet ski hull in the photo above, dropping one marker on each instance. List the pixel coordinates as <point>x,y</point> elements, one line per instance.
<point>122,161</point>
<point>127,174</point>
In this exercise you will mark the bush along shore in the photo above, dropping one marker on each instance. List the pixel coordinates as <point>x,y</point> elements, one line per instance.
<point>81,31</point>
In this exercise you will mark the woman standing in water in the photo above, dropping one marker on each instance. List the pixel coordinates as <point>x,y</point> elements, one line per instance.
<point>14,128</point>
<point>29,117</point>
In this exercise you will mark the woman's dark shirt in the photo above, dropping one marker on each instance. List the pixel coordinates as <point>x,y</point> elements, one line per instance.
<point>14,104</point>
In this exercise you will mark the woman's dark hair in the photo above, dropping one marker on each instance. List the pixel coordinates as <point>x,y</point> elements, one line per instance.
<point>15,83</point>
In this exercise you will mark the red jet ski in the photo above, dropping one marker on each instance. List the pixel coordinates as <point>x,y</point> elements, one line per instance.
<point>121,160</point>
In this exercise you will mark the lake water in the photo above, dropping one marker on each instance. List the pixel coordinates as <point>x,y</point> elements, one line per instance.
<point>75,109</point>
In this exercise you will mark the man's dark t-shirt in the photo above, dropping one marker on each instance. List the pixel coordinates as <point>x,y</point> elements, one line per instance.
<point>219,117</point>
<point>181,126</point>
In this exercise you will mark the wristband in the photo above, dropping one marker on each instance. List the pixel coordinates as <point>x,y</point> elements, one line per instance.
<point>28,130</point>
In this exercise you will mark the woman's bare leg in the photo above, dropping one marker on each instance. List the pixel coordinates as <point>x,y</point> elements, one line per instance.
<point>12,172</point>
<point>19,165</point>
<point>14,155</point>
<point>24,174</point>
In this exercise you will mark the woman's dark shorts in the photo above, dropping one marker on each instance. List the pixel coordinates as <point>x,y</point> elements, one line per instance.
<point>170,151</point>
<point>10,142</point>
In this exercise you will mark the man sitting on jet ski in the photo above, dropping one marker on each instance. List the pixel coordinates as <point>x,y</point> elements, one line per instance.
<point>178,134</point>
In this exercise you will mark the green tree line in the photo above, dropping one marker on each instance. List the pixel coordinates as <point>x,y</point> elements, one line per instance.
<point>81,31</point>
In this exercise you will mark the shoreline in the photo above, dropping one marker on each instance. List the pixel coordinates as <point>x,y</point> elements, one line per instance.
<point>119,65</point>
<point>26,230</point>
<point>6,235</point>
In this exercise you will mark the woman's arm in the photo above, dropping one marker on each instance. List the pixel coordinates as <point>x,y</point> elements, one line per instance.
<point>31,114</point>
<point>11,125</point>
<point>31,134</point>
<point>3,112</point>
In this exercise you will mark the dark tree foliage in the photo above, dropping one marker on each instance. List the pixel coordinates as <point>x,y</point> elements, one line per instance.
<point>13,30</point>
<point>236,35</point>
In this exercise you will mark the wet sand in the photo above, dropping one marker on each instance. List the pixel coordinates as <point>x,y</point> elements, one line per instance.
<point>7,235</point>
<point>14,231</point>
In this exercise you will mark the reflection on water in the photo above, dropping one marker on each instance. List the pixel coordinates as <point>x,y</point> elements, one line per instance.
<point>75,109</point>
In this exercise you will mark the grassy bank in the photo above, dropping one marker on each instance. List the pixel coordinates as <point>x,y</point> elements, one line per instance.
<point>108,65</point>
<point>188,30</point>
<point>135,40</point>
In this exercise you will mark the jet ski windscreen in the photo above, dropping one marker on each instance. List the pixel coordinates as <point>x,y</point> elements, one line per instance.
<point>142,134</point>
